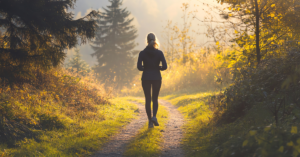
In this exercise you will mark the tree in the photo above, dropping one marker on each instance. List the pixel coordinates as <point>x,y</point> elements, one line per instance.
<point>36,32</point>
<point>76,64</point>
<point>271,21</point>
<point>114,45</point>
<point>179,42</point>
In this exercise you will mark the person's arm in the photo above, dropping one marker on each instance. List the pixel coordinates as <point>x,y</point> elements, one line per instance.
<point>139,63</point>
<point>164,63</point>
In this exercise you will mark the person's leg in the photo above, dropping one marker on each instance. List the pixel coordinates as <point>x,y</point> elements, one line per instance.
<point>156,84</point>
<point>146,84</point>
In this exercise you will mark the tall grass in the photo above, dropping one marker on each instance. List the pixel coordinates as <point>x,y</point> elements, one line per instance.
<point>58,114</point>
<point>201,71</point>
<point>257,115</point>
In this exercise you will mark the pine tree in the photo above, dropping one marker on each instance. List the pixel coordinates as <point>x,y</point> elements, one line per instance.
<point>114,45</point>
<point>76,64</point>
<point>36,32</point>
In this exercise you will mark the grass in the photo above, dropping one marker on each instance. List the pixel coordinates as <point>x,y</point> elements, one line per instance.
<point>59,114</point>
<point>196,114</point>
<point>254,134</point>
<point>148,141</point>
<point>83,138</point>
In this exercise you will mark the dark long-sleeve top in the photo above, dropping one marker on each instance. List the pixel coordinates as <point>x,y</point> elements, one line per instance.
<point>151,59</point>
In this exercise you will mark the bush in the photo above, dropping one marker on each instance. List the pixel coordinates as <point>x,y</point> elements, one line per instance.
<point>274,83</point>
<point>51,100</point>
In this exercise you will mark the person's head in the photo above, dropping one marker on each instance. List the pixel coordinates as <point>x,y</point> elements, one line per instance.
<point>152,41</point>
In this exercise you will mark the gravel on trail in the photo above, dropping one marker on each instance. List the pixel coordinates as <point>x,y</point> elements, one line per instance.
<point>171,146</point>
<point>173,134</point>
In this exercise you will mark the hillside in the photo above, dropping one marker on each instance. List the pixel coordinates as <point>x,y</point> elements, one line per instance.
<point>58,114</point>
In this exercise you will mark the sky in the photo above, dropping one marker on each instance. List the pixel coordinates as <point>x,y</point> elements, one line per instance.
<point>149,16</point>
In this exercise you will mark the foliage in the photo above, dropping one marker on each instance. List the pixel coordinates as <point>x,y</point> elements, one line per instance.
<point>263,85</point>
<point>178,40</point>
<point>255,134</point>
<point>201,71</point>
<point>81,138</point>
<point>114,45</point>
<point>262,25</point>
<point>59,115</point>
<point>76,64</point>
<point>36,32</point>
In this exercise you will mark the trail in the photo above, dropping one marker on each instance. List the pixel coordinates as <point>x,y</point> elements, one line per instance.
<point>171,147</point>
<point>117,145</point>
<point>173,133</point>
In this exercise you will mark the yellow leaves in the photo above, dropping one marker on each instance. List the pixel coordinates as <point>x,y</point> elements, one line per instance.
<point>236,32</point>
<point>290,143</point>
<point>29,97</point>
<point>281,148</point>
<point>22,97</point>
<point>229,8</point>
<point>272,15</point>
<point>295,153</point>
<point>57,97</point>
<point>252,132</point>
<point>298,141</point>
<point>245,143</point>
<point>8,89</point>
<point>248,11</point>
<point>294,130</point>
<point>229,14</point>
<point>266,129</point>
<point>217,43</point>
<point>273,5</point>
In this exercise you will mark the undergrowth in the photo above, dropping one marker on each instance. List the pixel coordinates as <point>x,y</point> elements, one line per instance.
<point>58,114</point>
<point>258,115</point>
<point>200,72</point>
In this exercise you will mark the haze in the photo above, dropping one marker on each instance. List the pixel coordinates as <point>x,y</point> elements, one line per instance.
<point>150,16</point>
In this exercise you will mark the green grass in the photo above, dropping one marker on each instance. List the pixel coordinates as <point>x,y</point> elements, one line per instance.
<point>148,141</point>
<point>79,139</point>
<point>254,133</point>
<point>197,114</point>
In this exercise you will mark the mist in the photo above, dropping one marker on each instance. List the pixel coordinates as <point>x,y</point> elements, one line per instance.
<point>149,16</point>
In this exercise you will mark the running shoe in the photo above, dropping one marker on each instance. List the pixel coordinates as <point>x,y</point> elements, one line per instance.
<point>154,120</point>
<point>150,125</point>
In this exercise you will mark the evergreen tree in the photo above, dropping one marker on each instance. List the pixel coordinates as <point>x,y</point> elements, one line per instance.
<point>114,45</point>
<point>36,32</point>
<point>76,64</point>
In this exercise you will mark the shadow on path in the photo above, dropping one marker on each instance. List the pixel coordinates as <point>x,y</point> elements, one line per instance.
<point>117,144</point>
<point>171,147</point>
<point>173,134</point>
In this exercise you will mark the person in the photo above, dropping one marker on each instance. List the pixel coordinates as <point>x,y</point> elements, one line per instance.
<point>151,77</point>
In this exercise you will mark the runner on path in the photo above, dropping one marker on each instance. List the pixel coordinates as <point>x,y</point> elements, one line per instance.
<point>151,58</point>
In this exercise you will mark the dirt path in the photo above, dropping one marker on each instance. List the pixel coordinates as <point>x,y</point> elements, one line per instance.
<point>172,134</point>
<point>117,145</point>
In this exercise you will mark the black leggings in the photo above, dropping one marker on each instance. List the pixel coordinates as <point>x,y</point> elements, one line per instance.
<point>147,91</point>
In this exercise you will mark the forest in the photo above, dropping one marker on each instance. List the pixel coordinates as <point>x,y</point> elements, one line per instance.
<point>69,83</point>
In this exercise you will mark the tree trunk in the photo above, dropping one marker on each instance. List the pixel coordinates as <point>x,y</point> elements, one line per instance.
<point>257,32</point>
